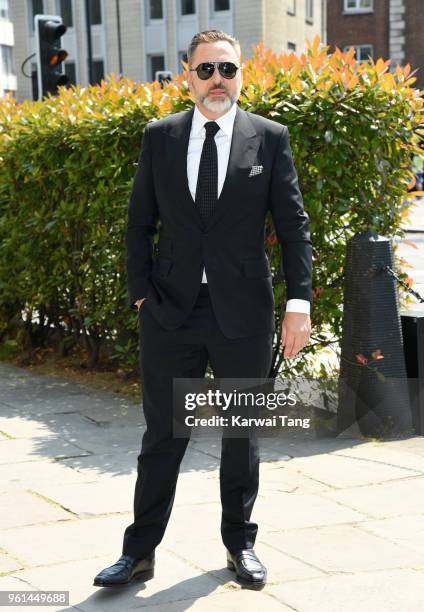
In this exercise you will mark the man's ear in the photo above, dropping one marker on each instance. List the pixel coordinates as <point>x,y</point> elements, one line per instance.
<point>185,67</point>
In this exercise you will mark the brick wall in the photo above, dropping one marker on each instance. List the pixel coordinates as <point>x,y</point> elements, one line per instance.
<point>414,38</point>
<point>359,29</point>
<point>395,29</point>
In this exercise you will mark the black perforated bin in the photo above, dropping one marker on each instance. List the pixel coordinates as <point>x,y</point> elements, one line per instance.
<point>373,385</point>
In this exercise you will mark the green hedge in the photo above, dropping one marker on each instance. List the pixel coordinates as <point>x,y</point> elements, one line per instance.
<point>67,165</point>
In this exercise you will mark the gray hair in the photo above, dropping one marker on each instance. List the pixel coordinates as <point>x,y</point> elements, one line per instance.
<point>210,36</point>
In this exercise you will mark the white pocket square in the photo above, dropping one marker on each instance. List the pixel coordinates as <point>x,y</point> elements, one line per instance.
<point>255,170</point>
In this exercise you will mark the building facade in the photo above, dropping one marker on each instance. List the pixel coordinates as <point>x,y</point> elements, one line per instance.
<point>8,82</point>
<point>391,29</point>
<point>136,38</point>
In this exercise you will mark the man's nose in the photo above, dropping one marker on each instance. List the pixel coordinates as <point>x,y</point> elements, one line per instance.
<point>216,79</point>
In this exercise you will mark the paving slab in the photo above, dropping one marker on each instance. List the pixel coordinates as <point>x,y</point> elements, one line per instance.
<point>412,445</point>
<point>209,555</point>
<point>248,601</point>
<point>8,564</point>
<point>24,425</point>
<point>204,459</point>
<point>115,462</point>
<point>27,389</point>
<point>85,403</point>
<point>280,510</point>
<point>103,465</point>
<point>18,427</point>
<point>32,473</point>
<point>191,523</point>
<point>383,500</point>
<point>340,471</point>
<point>382,454</point>
<point>406,529</point>
<point>344,548</point>
<point>84,433</point>
<point>415,218</point>
<point>175,582</point>
<point>280,477</point>
<point>384,591</point>
<point>269,449</point>
<point>89,499</point>
<point>195,486</point>
<point>69,540</point>
<point>340,521</point>
<point>13,583</point>
<point>21,507</point>
<point>37,449</point>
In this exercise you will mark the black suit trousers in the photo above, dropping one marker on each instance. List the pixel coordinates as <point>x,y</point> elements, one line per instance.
<point>184,353</point>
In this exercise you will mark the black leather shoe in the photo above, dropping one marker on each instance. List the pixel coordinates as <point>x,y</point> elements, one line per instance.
<point>249,570</point>
<point>126,569</point>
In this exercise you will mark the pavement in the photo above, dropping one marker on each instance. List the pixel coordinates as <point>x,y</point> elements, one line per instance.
<point>341,520</point>
<point>415,220</point>
<point>412,250</point>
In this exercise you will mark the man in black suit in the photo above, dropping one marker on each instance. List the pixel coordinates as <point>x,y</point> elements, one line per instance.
<point>205,180</point>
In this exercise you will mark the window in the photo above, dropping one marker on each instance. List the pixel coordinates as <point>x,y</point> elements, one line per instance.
<point>182,57</point>
<point>98,71</point>
<point>358,6</point>
<point>221,5</point>
<point>6,60</point>
<point>155,9</point>
<point>291,7</point>
<point>4,9</point>
<point>156,62</point>
<point>361,52</point>
<point>64,9</point>
<point>70,72</point>
<point>35,7</point>
<point>188,7</point>
<point>95,12</point>
<point>309,7</point>
<point>291,46</point>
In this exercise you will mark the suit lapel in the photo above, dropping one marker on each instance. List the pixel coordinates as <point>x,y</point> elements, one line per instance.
<point>243,154</point>
<point>177,152</point>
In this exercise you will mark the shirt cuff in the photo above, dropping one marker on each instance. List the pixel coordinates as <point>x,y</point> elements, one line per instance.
<point>295,305</point>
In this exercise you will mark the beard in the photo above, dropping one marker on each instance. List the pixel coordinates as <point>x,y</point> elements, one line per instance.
<point>217,106</point>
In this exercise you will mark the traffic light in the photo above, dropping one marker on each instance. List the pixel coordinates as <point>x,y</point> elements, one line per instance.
<point>50,57</point>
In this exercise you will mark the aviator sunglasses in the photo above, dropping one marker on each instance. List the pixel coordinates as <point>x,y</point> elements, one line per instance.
<point>206,69</point>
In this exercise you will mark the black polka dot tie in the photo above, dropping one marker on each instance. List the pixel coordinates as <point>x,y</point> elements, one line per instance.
<point>207,180</point>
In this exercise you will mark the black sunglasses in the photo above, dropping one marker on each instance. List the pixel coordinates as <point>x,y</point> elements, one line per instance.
<point>226,69</point>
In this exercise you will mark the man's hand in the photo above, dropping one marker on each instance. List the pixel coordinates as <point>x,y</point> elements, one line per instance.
<point>138,303</point>
<point>295,332</point>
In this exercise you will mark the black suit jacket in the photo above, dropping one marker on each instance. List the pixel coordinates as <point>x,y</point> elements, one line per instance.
<point>231,245</point>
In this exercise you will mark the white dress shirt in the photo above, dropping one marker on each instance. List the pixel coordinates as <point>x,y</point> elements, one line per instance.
<point>223,144</point>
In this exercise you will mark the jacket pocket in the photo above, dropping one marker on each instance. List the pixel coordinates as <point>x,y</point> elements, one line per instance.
<point>256,268</point>
<point>164,265</point>
<point>164,246</point>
